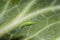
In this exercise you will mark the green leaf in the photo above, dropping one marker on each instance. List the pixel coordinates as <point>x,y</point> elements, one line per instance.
<point>29,19</point>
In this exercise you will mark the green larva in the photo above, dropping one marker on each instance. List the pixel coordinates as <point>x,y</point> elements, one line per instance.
<point>27,24</point>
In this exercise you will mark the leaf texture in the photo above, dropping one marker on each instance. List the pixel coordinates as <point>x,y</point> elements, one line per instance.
<point>29,19</point>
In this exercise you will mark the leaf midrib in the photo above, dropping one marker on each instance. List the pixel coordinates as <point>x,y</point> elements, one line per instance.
<point>18,21</point>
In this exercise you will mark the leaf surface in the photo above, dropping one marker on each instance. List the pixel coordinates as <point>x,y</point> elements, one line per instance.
<point>30,20</point>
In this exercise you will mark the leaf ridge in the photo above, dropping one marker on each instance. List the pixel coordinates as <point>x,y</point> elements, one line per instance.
<point>16,21</point>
